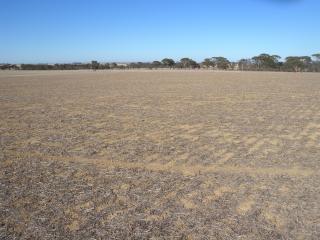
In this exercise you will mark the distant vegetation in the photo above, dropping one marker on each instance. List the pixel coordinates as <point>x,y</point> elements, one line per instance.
<point>263,62</point>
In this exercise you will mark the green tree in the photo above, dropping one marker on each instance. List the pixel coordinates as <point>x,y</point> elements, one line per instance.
<point>207,63</point>
<point>188,63</point>
<point>156,64</point>
<point>168,62</point>
<point>94,65</point>
<point>221,62</point>
<point>266,62</point>
<point>245,64</point>
<point>297,64</point>
<point>185,62</point>
<point>113,65</point>
<point>107,66</point>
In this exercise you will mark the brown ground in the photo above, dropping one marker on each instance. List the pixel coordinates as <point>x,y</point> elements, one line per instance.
<point>159,155</point>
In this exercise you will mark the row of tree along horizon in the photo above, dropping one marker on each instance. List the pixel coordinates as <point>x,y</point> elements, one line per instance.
<point>263,62</point>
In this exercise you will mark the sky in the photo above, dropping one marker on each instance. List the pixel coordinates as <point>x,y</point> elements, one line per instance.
<point>63,31</point>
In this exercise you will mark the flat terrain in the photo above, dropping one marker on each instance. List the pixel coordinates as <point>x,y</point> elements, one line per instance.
<point>159,155</point>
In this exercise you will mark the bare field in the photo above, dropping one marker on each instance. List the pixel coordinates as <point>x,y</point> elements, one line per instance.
<point>159,155</point>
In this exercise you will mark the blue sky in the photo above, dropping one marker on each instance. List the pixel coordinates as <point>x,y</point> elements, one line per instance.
<point>51,31</point>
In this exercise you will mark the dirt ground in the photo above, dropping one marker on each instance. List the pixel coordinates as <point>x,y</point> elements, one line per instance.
<point>159,155</point>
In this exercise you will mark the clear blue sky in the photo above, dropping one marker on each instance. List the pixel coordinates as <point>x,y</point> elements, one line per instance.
<point>143,30</point>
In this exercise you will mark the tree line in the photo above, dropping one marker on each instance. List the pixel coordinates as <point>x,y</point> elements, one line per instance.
<point>262,62</point>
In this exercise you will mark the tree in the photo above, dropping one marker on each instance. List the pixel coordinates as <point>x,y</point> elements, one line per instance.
<point>185,62</point>
<point>194,64</point>
<point>113,65</point>
<point>316,62</point>
<point>140,64</point>
<point>245,64</point>
<point>168,62</point>
<point>207,63</point>
<point>221,62</point>
<point>188,63</point>
<point>266,62</point>
<point>316,56</point>
<point>156,64</point>
<point>8,66</point>
<point>94,65</point>
<point>297,64</point>
<point>107,66</point>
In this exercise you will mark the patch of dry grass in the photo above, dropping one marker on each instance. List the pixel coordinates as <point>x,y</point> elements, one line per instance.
<point>159,155</point>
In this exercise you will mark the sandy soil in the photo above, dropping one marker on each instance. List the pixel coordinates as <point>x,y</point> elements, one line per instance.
<point>159,155</point>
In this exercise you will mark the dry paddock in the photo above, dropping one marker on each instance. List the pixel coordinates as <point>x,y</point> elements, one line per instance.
<point>159,155</point>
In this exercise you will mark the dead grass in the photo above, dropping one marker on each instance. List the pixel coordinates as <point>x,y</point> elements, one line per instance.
<point>159,155</point>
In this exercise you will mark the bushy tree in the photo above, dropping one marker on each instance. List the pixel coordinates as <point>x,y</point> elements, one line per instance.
<point>297,64</point>
<point>94,65</point>
<point>168,62</point>
<point>113,65</point>
<point>207,63</point>
<point>245,64</point>
<point>188,63</point>
<point>8,66</point>
<point>266,62</point>
<point>156,64</point>
<point>221,62</point>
